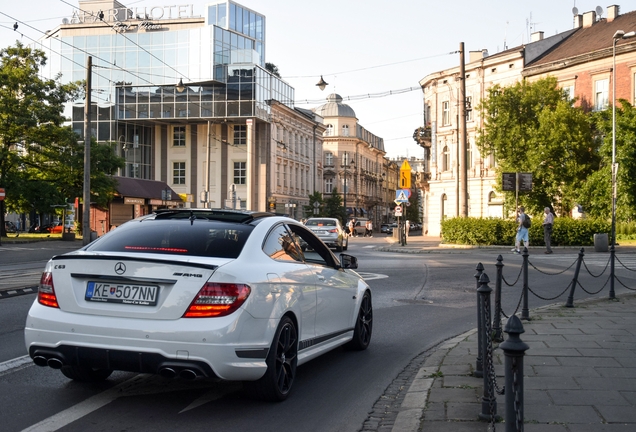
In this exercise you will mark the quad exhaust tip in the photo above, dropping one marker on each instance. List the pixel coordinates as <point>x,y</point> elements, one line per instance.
<point>188,374</point>
<point>54,363</point>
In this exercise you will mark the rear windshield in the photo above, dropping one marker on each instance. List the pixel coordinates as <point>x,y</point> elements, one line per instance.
<point>176,237</point>
<point>321,222</point>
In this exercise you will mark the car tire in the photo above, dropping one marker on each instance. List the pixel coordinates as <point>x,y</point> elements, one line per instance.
<point>346,245</point>
<point>85,374</point>
<point>282,361</point>
<point>363,326</point>
<point>339,247</point>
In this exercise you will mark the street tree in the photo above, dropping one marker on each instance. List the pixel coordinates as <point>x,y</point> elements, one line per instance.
<point>333,206</point>
<point>315,197</point>
<point>595,196</point>
<point>31,111</point>
<point>535,127</point>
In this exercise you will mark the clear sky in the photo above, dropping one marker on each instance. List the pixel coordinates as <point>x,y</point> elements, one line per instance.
<point>362,48</point>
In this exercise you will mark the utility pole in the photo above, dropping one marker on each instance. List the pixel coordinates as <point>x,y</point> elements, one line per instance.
<point>86,218</point>
<point>462,168</point>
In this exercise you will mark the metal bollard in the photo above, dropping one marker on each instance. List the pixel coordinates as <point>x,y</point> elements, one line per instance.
<point>525,312</point>
<point>570,301</point>
<point>496,321</point>
<point>514,349</point>
<point>479,370</point>
<point>612,294</point>
<point>488,400</point>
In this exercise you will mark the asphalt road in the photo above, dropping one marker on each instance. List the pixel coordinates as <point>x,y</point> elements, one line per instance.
<point>419,301</point>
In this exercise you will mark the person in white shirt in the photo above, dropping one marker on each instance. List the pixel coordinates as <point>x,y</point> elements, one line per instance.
<point>548,220</point>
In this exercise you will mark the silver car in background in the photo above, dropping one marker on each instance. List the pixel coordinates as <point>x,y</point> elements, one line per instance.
<point>330,231</point>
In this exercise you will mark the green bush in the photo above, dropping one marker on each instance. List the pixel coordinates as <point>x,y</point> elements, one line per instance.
<point>494,231</point>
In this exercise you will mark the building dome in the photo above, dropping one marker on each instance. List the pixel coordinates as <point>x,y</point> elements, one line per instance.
<point>335,108</point>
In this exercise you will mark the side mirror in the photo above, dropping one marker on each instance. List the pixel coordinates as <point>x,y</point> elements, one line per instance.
<point>348,261</point>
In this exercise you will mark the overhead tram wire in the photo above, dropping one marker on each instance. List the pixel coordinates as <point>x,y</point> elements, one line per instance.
<point>127,38</point>
<point>78,49</point>
<point>361,97</point>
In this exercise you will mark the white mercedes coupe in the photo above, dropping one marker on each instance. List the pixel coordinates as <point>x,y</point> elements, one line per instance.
<point>199,293</point>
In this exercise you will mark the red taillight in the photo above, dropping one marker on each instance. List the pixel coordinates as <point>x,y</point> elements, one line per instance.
<point>335,230</point>
<point>217,299</point>
<point>46,292</point>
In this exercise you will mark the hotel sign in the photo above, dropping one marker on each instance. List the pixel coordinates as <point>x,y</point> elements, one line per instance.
<point>146,14</point>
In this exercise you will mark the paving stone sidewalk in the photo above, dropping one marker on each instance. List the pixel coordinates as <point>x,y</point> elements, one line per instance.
<point>579,374</point>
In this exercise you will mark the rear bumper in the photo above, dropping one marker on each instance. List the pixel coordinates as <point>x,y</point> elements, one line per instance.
<point>230,348</point>
<point>130,361</point>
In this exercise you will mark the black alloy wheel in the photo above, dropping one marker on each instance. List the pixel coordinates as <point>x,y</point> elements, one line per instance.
<point>363,326</point>
<point>282,360</point>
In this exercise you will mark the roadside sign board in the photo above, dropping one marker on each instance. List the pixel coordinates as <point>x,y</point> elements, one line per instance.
<point>398,211</point>
<point>405,175</point>
<point>2,194</point>
<point>525,181</point>
<point>509,181</point>
<point>402,195</point>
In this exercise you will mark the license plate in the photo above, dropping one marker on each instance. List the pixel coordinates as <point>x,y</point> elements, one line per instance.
<point>134,294</point>
<point>320,232</point>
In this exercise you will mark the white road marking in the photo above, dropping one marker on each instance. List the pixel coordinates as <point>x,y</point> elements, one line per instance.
<point>371,276</point>
<point>14,363</point>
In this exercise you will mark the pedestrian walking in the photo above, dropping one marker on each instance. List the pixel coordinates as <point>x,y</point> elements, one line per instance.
<point>352,232</point>
<point>523,223</point>
<point>407,227</point>
<point>368,229</point>
<point>548,220</point>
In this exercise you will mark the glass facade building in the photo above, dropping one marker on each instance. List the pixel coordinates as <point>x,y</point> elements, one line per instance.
<point>138,60</point>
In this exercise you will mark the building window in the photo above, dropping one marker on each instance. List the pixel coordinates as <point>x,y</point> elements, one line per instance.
<point>345,130</point>
<point>445,113</point>
<point>569,92</point>
<point>240,173</point>
<point>345,158</point>
<point>445,159</point>
<point>179,136</point>
<point>179,173</point>
<point>329,130</point>
<point>240,134</point>
<point>469,108</point>
<point>328,185</point>
<point>329,159</point>
<point>601,94</point>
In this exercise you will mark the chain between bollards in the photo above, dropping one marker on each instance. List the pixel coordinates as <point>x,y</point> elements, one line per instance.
<point>479,370</point>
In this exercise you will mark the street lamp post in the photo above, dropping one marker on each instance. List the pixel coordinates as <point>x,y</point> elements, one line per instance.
<point>344,192</point>
<point>620,34</point>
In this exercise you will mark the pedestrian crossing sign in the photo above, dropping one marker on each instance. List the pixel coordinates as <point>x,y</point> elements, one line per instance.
<point>401,195</point>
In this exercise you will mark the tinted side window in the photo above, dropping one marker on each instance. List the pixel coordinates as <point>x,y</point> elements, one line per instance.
<point>281,246</point>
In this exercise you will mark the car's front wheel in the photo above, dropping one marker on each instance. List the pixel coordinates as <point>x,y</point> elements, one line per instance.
<point>282,360</point>
<point>85,374</point>
<point>364,325</point>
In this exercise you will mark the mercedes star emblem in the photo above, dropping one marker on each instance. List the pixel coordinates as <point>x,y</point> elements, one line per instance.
<point>120,268</point>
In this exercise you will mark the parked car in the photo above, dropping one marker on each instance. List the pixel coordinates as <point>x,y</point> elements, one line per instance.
<point>386,229</point>
<point>219,294</point>
<point>360,227</point>
<point>58,228</point>
<point>330,231</point>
